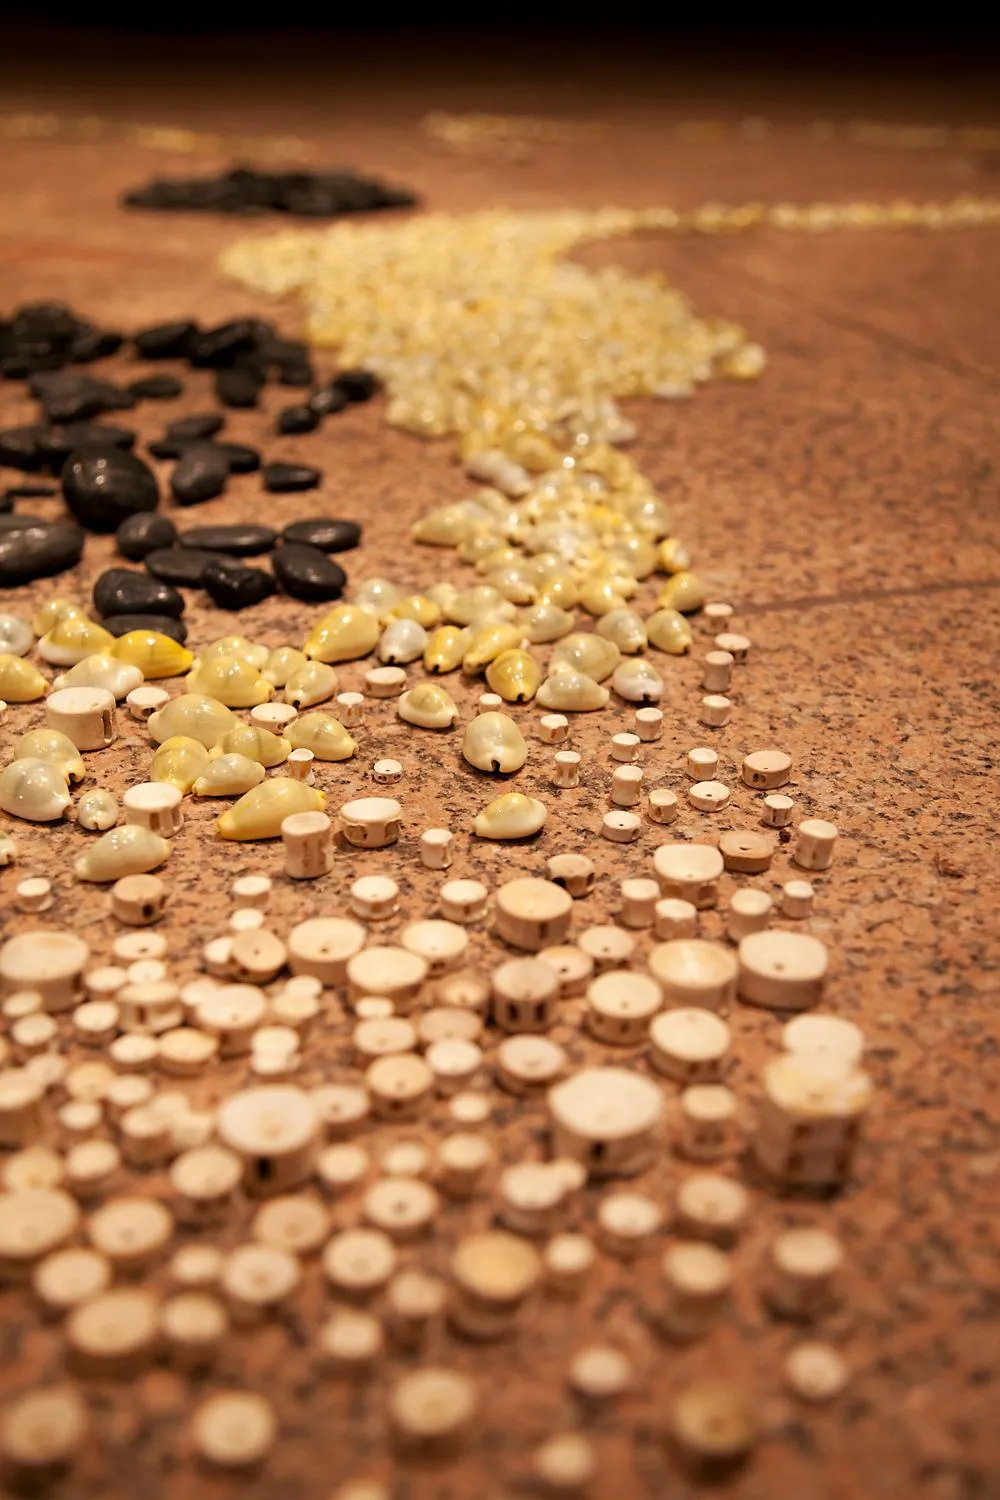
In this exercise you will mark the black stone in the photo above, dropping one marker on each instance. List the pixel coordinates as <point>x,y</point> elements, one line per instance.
<point>242,190</point>
<point>21,447</point>
<point>156,388</point>
<point>299,418</point>
<point>90,343</point>
<point>165,624</point>
<point>196,428</point>
<point>240,540</point>
<point>167,340</point>
<point>282,478</point>
<point>6,503</point>
<point>69,396</point>
<point>201,474</point>
<point>325,533</point>
<point>357,385</point>
<point>181,566</point>
<point>307,573</point>
<point>139,535</point>
<point>101,486</point>
<point>220,346</point>
<point>238,387</point>
<point>295,374</point>
<point>232,585</point>
<point>166,448</point>
<point>57,443</point>
<point>11,522</point>
<point>328,400</point>
<point>120,591</point>
<point>42,550</point>
<point>242,458</point>
<point>29,492</point>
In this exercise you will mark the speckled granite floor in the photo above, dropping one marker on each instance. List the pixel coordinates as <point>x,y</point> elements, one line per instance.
<point>847,505</point>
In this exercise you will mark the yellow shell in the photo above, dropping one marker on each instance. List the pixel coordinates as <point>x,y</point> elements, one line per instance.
<point>672,556</point>
<point>625,629</point>
<point>416,607</point>
<point>71,639</point>
<point>129,850</point>
<point>544,622</point>
<point>669,631</point>
<point>569,691</point>
<point>684,591</point>
<point>235,645</point>
<point>493,742</point>
<point>228,776</point>
<point>428,706</point>
<point>260,813</point>
<point>323,734</point>
<point>313,683</point>
<point>599,596</point>
<point>486,642</point>
<point>281,664</point>
<point>180,760</point>
<point>346,633</point>
<point>445,527</point>
<point>34,790</point>
<point>258,744</point>
<point>445,648</point>
<point>515,675</point>
<point>560,589</point>
<point>154,654</point>
<point>511,816</point>
<point>203,719</point>
<point>232,681</point>
<point>100,671</point>
<point>469,605</point>
<point>50,614</point>
<point>633,554</point>
<point>20,682</point>
<point>56,748</point>
<point>587,652</point>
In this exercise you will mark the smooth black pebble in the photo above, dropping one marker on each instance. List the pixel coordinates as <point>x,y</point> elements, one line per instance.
<point>328,400</point>
<point>167,340</point>
<point>139,535</point>
<point>165,624</point>
<point>307,573</point>
<point>238,387</point>
<point>71,396</point>
<point>282,478</point>
<point>241,457</point>
<point>239,540</point>
<point>101,486</point>
<point>120,591</point>
<point>301,418</point>
<point>324,532</point>
<point>22,448</point>
<point>57,443</point>
<point>357,385</point>
<point>40,550</point>
<point>156,388</point>
<point>196,428</point>
<point>232,585</point>
<point>201,474</point>
<point>181,566</point>
<point>29,492</point>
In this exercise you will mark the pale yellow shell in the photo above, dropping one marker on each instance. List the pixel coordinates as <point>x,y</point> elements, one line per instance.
<point>20,682</point>
<point>625,629</point>
<point>600,596</point>
<point>672,556</point>
<point>16,635</point>
<point>97,810</point>
<point>684,591</point>
<point>559,589</point>
<point>569,691</point>
<point>128,850</point>
<point>544,622</point>
<point>346,633</point>
<point>228,776</point>
<point>469,605</point>
<point>254,654</point>
<point>669,631</point>
<point>637,681</point>
<point>55,747</point>
<point>50,614</point>
<point>323,734</point>
<point>71,639</point>
<point>180,760</point>
<point>511,816</point>
<point>486,642</point>
<point>445,648</point>
<point>281,664</point>
<point>34,790</point>
<point>587,652</point>
<point>260,813</point>
<point>445,527</point>
<point>193,715</point>
<point>493,742</point>
<point>428,706</point>
<point>416,607</point>
<point>402,641</point>
<point>313,683</point>
<point>101,671</point>
<point>515,675</point>
<point>376,596</point>
<point>232,681</point>
<point>261,745</point>
<point>154,654</point>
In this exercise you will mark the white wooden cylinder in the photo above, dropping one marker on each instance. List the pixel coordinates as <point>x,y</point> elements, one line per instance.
<point>85,715</point>
<point>308,845</point>
<point>155,805</point>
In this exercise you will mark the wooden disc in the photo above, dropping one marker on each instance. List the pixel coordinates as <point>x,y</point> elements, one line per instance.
<point>233,1429</point>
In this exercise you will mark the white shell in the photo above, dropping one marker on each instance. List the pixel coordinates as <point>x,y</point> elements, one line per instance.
<point>128,850</point>
<point>16,636</point>
<point>228,776</point>
<point>34,790</point>
<point>97,810</point>
<point>402,641</point>
<point>376,596</point>
<point>117,677</point>
<point>493,742</point>
<point>637,681</point>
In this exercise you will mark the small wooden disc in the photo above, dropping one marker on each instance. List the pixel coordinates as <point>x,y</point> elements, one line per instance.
<point>234,1429</point>
<point>401,1206</point>
<point>359,1261</point>
<point>746,851</point>
<point>130,1231</point>
<point>34,1222</point>
<point>295,1223</point>
<point>816,1371</point>
<point>432,1406</point>
<point>43,1428</point>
